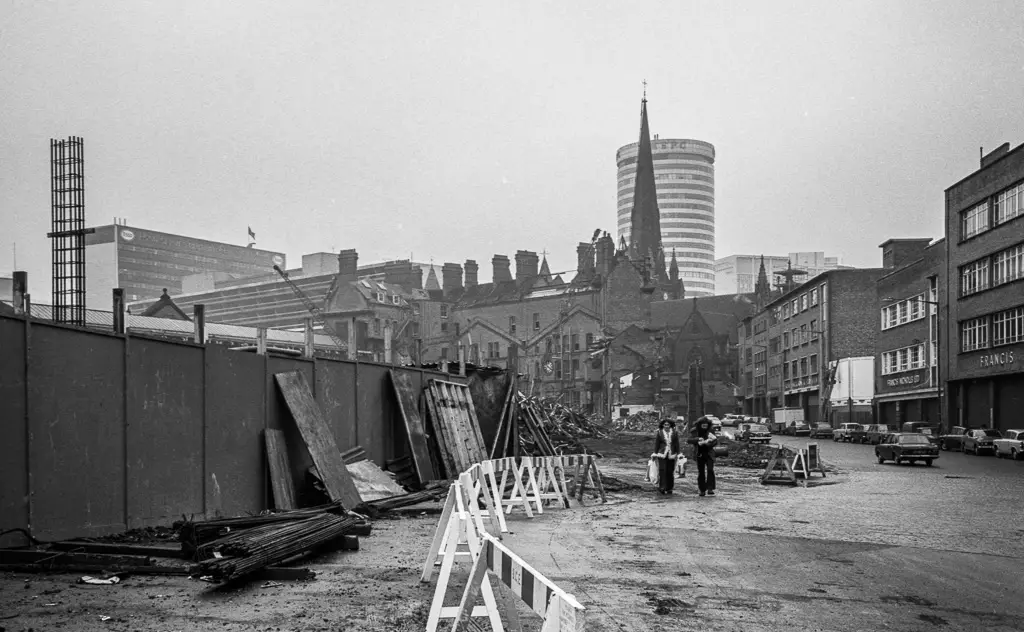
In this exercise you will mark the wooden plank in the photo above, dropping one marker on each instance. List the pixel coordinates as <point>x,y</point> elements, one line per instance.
<point>452,437</point>
<point>459,421</point>
<point>116,569</point>
<point>445,451</point>
<point>318,438</point>
<point>406,396</point>
<point>503,422</point>
<point>79,546</point>
<point>469,412</point>
<point>60,558</point>
<point>280,470</point>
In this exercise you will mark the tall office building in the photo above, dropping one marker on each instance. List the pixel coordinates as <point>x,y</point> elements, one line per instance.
<point>144,262</point>
<point>684,176</point>
<point>737,274</point>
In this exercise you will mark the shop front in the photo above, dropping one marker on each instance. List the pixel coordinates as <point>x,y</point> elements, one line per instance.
<point>990,391</point>
<point>907,396</point>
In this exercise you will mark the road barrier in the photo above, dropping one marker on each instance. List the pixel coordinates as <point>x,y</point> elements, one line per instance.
<point>477,497</point>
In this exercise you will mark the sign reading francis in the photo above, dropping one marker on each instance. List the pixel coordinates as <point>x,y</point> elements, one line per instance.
<point>996,359</point>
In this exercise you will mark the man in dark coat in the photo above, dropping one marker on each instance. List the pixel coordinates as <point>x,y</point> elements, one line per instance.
<point>704,454</point>
<point>666,451</point>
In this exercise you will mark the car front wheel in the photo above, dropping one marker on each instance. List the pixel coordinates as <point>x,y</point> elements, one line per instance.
<point>928,462</point>
<point>880,459</point>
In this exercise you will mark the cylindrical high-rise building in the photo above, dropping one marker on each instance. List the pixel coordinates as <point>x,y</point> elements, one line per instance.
<point>684,176</point>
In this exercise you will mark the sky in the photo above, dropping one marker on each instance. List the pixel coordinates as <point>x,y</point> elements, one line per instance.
<point>449,131</point>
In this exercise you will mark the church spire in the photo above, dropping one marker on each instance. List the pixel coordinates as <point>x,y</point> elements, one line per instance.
<point>673,268</point>
<point>762,290</point>
<point>645,219</point>
<point>545,271</point>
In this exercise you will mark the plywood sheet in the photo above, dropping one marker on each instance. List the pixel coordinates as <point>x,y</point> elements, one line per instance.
<point>406,396</point>
<point>372,482</point>
<point>280,470</point>
<point>318,438</point>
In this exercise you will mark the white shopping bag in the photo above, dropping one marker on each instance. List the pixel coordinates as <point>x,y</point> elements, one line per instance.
<point>653,474</point>
<point>681,466</point>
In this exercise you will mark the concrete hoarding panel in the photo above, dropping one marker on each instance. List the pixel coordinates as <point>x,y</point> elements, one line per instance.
<point>376,409</point>
<point>280,418</point>
<point>13,464</point>
<point>165,431</point>
<point>76,432</point>
<point>235,407</point>
<point>335,383</point>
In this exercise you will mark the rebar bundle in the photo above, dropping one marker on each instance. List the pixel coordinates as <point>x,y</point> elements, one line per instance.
<point>250,550</point>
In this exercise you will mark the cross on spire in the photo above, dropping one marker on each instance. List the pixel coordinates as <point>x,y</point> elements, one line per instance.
<point>645,89</point>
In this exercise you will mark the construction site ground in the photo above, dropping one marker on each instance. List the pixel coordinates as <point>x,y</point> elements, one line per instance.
<point>867,548</point>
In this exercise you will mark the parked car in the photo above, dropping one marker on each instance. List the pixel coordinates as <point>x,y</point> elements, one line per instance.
<point>821,430</point>
<point>906,447</point>
<point>877,432</point>
<point>755,433</point>
<point>981,440</point>
<point>842,433</point>
<point>926,428</point>
<point>1011,445</point>
<point>797,429</point>
<point>954,440</point>
<point>732,420</point>
<point>859,434</point>
<point>716,423</point>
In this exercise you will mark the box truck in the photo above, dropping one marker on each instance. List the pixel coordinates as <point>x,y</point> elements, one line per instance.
<point>782,417</point>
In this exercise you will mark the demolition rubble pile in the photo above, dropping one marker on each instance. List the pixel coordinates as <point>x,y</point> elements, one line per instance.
<point>752,455</point>
<point>643,421</point>
<point>564,426</point>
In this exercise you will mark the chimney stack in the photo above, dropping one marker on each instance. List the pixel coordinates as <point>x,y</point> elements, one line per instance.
<point>471,273</point>
<point>526,264</point>
<point>502,269</point>
<point>605,254</point>
<point>451,278</point>
<point>585,260</point>
<point>348,263</point>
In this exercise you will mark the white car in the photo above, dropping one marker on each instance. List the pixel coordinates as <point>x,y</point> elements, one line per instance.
<point>1010,445</point>
<point>733,420</point>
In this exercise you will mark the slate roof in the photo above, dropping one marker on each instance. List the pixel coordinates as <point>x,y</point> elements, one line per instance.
<point>723,314</point>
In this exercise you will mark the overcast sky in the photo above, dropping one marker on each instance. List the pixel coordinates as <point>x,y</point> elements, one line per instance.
<point>459,130</point>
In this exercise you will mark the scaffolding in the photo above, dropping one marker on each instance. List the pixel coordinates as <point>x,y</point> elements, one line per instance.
<point>67,230</point>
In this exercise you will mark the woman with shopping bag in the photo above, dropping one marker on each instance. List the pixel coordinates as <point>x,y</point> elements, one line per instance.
<point>666,451</point>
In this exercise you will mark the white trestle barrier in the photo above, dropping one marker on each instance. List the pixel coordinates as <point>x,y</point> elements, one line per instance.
<point>559,610</point>
<point>551,480</point>
<point>524,493</point>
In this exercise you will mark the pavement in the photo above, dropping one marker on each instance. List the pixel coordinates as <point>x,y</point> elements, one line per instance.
<point>877,547</point>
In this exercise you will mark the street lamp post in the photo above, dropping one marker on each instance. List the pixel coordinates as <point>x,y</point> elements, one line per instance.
<point>936,357</point>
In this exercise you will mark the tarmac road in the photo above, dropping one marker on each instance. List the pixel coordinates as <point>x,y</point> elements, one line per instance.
<point>875,547</point>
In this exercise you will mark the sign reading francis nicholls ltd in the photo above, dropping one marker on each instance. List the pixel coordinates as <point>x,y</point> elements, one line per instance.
<point>996,359</point>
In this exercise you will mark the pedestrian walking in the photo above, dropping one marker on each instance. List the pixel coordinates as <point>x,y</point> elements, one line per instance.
<point>666,451</point>
<point>704,453</point>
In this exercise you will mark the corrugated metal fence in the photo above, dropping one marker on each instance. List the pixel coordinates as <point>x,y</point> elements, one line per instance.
<point>100,432</point>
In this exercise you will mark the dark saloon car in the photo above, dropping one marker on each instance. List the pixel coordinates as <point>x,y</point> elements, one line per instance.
<point>928,429</point>
<point>954,440</point>
<point>877,432</point>
<point>859,434</point>
<point>906,447</point>
<point>797,429</point>
<point>981,440</point>
<point>755,433</point>
<point>821,430</point>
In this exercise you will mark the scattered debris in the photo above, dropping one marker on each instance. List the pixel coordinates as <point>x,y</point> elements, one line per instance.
<point>108,581</point>
<point>271,584</point>
<point>643,421</point>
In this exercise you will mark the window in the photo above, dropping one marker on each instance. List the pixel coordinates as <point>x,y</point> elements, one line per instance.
<point>444,328</point>
<point>803,366</point>
<point>1008,265</point>
<point>903,312</point>
<point>381,297</point>
<point>974,221</point>
<point>785,339</point>
<point>565,342</point>
<point>785,311</point>
<point>974,277</point>
<point>804,338</point>
<point>1009,204</point>
<point>814,297</point>
<point>575,342</point>
<point>536,321</point>
<point>814,365</point>
<point>974,334</point>
<point>905,359</point>
<point>558,370</point>
<point>376,326</point>
<point>444,353</point>
<point>511,325</point>
<point>803,303</point>
<point>749,355</point>
<point>794,337</point>
<point>493,350</point>
<point>575,365</point>
<point>1008,326</point>
<point>590,340</point>
<point>795,306</point>
<point>395,299</point>
<point>444,311</point>
<point>814,330</point>
<point>474,353</point>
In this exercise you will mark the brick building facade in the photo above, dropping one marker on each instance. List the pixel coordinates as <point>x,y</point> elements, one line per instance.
<point>908,374</point>
<point>985,296</point>
<point>786,348</point>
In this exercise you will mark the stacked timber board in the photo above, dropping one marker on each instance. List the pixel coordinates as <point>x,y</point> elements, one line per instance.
<point>455,425</point>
